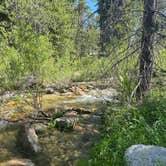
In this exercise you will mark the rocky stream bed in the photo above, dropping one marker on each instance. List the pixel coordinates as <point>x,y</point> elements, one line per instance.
<point>84,106</point>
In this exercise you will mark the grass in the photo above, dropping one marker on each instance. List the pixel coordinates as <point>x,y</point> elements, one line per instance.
<point>128,125</point>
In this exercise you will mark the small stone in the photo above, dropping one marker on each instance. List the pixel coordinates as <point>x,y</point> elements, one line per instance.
<point>145,155</point>
<point>49,91</point>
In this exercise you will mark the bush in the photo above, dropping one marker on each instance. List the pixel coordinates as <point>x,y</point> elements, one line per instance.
<point>125,126</point>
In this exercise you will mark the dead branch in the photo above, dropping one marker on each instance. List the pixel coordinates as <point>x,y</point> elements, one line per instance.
<point>126,57</point>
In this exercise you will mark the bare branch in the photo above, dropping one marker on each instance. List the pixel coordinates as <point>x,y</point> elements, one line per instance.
<point>126,57</point>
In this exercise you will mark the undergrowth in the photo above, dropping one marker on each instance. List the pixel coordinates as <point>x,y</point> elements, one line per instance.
<point>87,68</point>
<point>128,125</point>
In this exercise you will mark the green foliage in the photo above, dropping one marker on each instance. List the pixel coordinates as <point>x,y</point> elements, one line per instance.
<point>34,49</point>
<point>125,126</point>
<point>11,65</point>
<point>52,123</point>
<point>84,69</point>
<point>28,56</point>
<point>42,39</point>
<point>49,40</point>
<point>126,86</point>
<point>58,115</point>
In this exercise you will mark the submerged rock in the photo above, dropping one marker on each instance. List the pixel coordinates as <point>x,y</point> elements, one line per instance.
<point>18,162</point>
<point>27,139</point>
<point>145,155</point>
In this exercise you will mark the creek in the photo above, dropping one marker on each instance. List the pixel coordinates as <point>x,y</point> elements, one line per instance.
<point>59,148</point>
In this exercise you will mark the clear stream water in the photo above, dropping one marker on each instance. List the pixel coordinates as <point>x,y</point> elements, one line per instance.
<point>61,148</point>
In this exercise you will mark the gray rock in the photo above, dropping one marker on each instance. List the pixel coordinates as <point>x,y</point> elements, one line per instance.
<point>49,91</point>
<point>145,155</point>
<point>40,127</point>
<point>66,122</point>
<point>27,139</point>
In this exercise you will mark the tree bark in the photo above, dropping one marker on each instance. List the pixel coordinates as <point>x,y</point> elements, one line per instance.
<point>147,54</point>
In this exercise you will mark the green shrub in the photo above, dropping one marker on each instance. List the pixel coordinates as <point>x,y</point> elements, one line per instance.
<point>125,126</point>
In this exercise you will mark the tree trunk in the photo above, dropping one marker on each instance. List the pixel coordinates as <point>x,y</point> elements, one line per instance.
<point>146,57</point>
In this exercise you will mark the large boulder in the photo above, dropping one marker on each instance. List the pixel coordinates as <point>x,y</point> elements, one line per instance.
<point>27,139</point>
<point>18,162</point>
<point>145,155</point>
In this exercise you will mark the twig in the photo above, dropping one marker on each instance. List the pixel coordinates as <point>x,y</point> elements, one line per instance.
<point>122,59</point>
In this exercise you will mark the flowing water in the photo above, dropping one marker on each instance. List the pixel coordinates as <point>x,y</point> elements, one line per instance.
<point>60,148</point>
